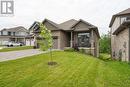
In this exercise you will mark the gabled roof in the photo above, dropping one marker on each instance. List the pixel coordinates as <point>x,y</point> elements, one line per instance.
<point>33,25</point>
<point>90,26</point>
<point>16,29</point>
<point>81,20</point>
<point>51,22</point>
<point>123,26</point>
<point>125,12</point>
<point>67,24</point>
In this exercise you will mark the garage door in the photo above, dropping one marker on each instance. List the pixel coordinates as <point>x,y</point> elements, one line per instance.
<point>29,42</point>
<point>55,43</point>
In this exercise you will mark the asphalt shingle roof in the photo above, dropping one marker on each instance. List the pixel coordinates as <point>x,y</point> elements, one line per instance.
<point>51,22</point>
<point>127,11</point>
<point>67,24</point>
<point>16,29</point>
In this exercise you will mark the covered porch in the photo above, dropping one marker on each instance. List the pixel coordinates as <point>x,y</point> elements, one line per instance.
<point>18,40</point>
<point>82,39</point>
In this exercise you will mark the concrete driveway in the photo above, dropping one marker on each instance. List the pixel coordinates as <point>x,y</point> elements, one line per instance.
<point>4,56</point>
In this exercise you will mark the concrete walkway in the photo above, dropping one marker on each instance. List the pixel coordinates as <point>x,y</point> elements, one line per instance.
<point>4,56</point>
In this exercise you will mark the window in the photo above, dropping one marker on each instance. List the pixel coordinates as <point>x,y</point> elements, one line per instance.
<point>128,18</point>
<point>84,40</point>
<point>1,32</point>
<point>9,33</point>
<point>123,19</point>
<point>14,33</point>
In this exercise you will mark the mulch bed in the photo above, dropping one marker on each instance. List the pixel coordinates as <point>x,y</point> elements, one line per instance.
<point>52,63</point>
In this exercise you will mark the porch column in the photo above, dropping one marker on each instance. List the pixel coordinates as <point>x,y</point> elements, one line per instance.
<point>15,40</point>
<point>71,41</point>
<point>92,39</point>
<point>92,43</point>
<point>24,41</point>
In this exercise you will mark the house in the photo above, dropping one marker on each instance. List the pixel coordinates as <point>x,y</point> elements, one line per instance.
<point>71,33</point>
<point>120,35</point>
<point>16,34</point>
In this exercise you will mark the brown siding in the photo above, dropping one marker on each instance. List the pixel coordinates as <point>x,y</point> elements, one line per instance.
<point>94,44</point>
<point>50,26</point>
<point>57,42</point>
<point>64,40</point>
<point>57,34</point>
<point>81,26</point>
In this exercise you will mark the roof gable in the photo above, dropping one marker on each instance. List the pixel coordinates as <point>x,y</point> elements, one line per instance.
<point>88,24</point>
<point>50,26</point>
<point>16,29</point>
<point>125,12</point>
<point>46,22</point>
<point>122,27</point>
<point>51,22</point>
<point>67,24</point>
<point>81,26</point>
<point>33,25</point>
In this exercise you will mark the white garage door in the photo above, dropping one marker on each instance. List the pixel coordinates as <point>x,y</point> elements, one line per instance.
<point>29,42</point>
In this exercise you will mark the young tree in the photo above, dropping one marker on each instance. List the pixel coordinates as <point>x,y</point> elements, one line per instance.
<point>105,43</point>
<point>46,40</point>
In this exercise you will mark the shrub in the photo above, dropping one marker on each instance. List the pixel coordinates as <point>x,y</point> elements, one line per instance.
<point>105,42</point>
<point>105,57</point>
<point>82,50</point>
<point>76,47</point>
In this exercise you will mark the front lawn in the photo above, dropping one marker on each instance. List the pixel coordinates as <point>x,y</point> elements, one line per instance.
<point>73,70</point>
<point>15,48</point>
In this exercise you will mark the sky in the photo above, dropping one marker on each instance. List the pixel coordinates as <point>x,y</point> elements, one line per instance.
<point>96,12</point>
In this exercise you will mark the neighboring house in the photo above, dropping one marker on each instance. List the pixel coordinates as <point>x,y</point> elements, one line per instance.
<point>120,35</point>
<point>70,34</point>
<point>16,34</point>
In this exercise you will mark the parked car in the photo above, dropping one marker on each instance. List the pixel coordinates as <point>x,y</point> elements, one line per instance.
<point>10,44</point>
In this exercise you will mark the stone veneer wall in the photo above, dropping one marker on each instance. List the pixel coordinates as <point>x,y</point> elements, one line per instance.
<point>120,45</point>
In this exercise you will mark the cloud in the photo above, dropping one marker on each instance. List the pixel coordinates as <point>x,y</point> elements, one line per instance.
<point>97,12</point>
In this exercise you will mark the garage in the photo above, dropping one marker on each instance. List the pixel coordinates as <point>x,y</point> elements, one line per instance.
<point>29,42</point>
<point>55,43</point>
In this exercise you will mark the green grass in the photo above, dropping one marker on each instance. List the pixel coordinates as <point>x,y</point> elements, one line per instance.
<point>73,70</point>
<point>105,56</point>
<point>15,48</point>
